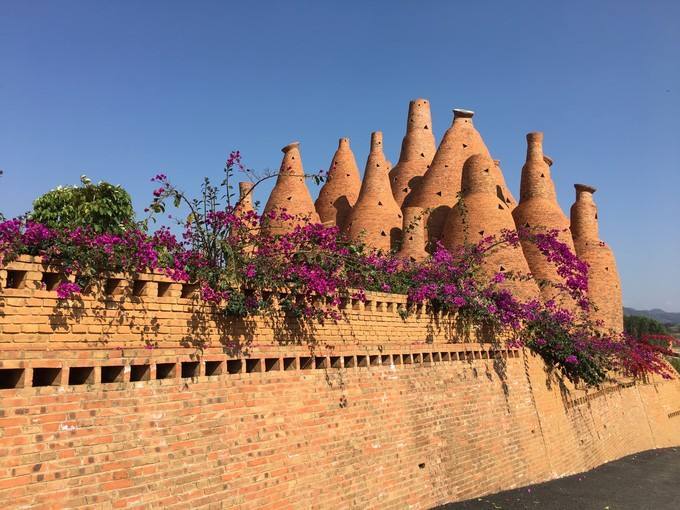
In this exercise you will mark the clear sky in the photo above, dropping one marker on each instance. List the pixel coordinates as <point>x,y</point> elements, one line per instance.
<point>122,90</point>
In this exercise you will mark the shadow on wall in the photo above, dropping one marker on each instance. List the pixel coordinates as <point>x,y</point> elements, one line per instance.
<point>435,224</point>
<point>201,325</point>
<point>463,331</point>
<point>237,334</point>
<point>141,322</point>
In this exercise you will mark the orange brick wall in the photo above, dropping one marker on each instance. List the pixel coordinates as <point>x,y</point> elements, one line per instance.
<point>374,412</point>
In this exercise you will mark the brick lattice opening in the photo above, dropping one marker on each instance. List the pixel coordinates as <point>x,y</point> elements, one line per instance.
<point>214,367</point>
<point>234,366</point>
<point>140,373</point>
<point>112,374</point>
<point>165,370</point>
<point>253,366</point>
<point>189,369</point>
<point>272,364</point>
<point>138,287</point>
<point>80,375</point>
<point>11,378</point>
<point>163,289</point>
<point>43,376</point>
<point>15,279</point>
<point>46,376</point>
<point>112,286</point>
<point>188,290</point>
<point>50,281</point>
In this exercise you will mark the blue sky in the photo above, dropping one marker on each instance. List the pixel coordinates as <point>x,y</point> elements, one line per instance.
<point>122,90</point>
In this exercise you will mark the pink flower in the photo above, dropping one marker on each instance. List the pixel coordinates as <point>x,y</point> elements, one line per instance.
<point>66,290</point>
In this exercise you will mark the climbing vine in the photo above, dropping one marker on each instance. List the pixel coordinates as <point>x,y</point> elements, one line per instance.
<point>310,270</point>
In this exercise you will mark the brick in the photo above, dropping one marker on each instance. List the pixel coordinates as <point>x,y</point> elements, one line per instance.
<point>420,433</point>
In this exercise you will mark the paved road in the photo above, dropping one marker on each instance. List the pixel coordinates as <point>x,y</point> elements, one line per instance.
<point>644,481</point>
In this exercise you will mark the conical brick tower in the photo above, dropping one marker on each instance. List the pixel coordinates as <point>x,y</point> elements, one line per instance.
<point>482,213</point>
<point>502,189</point>
<point>290,194</point>
<point>341,189</point>
<point>417,150</point>
<point>439,187</point>
<point>604,284</point>
<point>538,208</point>
<point>376,218</point>
<point>243,210</point>
<point>413,235</point>
<point>245,198</point>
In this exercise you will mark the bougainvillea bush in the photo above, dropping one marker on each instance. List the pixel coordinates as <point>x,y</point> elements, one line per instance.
<point>309,271</point>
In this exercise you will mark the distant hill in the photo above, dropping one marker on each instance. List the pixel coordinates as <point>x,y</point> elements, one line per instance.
<point>656,314</point>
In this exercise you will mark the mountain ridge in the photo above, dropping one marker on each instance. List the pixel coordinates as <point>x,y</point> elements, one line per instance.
<point>656,314</point>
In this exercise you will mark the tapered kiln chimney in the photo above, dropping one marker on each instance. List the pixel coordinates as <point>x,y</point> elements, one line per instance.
<point>538,208</point>
<point>417,150</point>
<point>290,194</point>
<point>439,187</point>
<point>502,189</point>
<point>341,189</point>
<point>376,218</point>
<point>244,208</point>
<point>483,213</point>
<point>245,197</point>
<point>604,284</point>
<point>413,235</point>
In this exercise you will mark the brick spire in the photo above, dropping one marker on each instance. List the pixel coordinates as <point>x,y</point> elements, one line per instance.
<point>245,197</point>
<point>538,208</point>
<point>502,189</point>
<point>290,193</point>
<point>417,150</point>
<point>341,189</point>
<point>413,235</point>
<point>440,185</point>
<point>376,217</point>
<point>604,284</point>
<point>483,213</point>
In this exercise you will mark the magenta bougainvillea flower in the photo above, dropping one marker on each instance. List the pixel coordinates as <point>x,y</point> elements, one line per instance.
<point>312,269</point>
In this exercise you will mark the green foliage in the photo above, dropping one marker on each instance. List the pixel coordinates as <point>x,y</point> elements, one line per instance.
<point>675,362</point>
<point>641,326</point>
<point>102,207</point>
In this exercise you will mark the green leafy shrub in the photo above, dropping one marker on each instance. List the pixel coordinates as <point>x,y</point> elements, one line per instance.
<point>102,207</point>
<point>675,362</point>
<point>640,326</point>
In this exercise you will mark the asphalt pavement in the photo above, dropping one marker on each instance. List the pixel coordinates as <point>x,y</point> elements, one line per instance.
<point>645,481</point>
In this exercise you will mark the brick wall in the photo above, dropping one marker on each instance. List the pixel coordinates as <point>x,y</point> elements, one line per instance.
<point>373,412</point>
